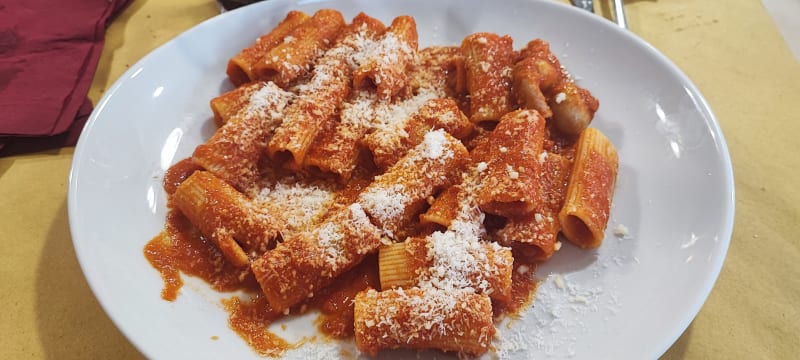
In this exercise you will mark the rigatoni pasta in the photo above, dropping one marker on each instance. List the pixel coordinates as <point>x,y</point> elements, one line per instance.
<point>234,151</point>
<point>317,103</point>
<point>420,319</point>
<point>399,264</point>
<point>535,236</point>
<point>227,105</point>
<point>441,68</point>
<point>588,202</point>
<point>527,87</point>
<point>291,59</point>
<point>572,107</point>
<point>488,59</point>
<point>225,216</point>
<point>443,209</point>
<point>308,262</point>
<point>509,186</point>
<point>335,150</point>
<point>483,266</point>
<point>395,197</point>
<point>400,190</point>
<point>241,67</point>
<point>386,69</point>
<point>388,145</point>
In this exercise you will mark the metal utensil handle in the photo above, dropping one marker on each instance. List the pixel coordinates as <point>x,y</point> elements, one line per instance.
<point>619,14</point>
<point>584,4</point>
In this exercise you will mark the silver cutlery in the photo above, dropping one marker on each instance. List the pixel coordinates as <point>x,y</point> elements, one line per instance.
<point>619,10</point>
<point>619,14</point>
<point>584,4</point>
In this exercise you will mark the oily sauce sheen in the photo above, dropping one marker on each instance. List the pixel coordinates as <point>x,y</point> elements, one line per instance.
<point>336,302</point>
<point>523,286</point>
<point>251,319</point>
<point>181,248</point>
<point>177,173</point>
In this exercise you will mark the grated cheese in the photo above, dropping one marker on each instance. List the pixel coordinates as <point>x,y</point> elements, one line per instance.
<point>542,156</point>
<point>385,203</point>
<point>360,112</point>
<point>385,51</point>
<point>523,269</point>
<point>621,231</point>
<point>388,119</point>
<point>268,101</point>
<point>427,310</point>
<point>330,240</point>
<point>434,145</point>
<point>460,261</point>
<point>512,174</point>
<point>559,281</point>
<point>297,204</point>
<point>560,97</point>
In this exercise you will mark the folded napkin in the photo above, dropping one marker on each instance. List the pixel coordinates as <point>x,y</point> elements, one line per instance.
<point>48,55</point>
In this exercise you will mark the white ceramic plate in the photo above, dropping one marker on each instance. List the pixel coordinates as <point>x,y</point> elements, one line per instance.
<point>631,298</point>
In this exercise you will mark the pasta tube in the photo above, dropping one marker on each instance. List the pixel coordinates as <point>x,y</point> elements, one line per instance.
<point>444,208</point>
<point>591,186</point>
<point>386,70</point>
<point>233,152</point>
<point>440,68</point>
<point>388,145</point>
<point>394,198</point>
<point>294,57</point>
<point>545,63</point>
<point>336,149</point>
<point>225,216</point>
<point>316,105</point>
<point>488,59</point>
<point>365,28</point>
<point>399,264</point>
<point>320,99</point>
<point>509,181</point>
<point>414,318</point>
<point>230,103</point>
<point>306,263</point>
<point>178,173</point>
<point>240,67</point>
<point>535,235</point>
<point>448,261</point>
<point>527,87</point>
<point>572,107</point>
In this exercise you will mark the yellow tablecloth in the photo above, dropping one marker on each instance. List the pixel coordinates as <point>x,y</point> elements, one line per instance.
<point>731,50</point>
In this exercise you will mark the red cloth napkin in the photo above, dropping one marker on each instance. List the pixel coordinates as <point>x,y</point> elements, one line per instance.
<point>48,55</point>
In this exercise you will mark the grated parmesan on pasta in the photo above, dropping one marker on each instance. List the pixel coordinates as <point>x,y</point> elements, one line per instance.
<point>298,204</point>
